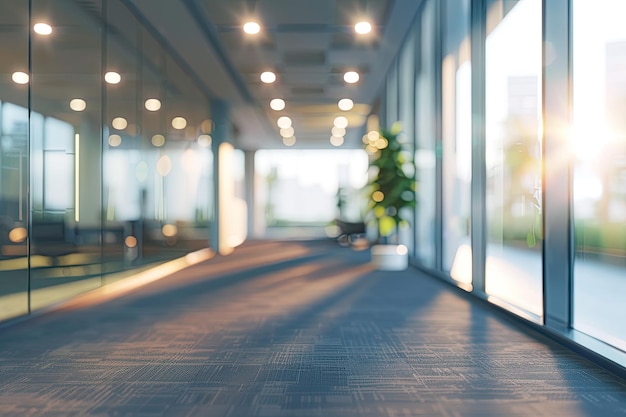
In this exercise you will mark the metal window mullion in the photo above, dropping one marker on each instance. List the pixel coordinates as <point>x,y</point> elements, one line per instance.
<point>557,243</point>
<point>438,49</point>
<point>478,187</point>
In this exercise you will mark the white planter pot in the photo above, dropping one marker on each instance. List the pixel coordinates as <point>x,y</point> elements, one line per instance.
<point>390,257</point>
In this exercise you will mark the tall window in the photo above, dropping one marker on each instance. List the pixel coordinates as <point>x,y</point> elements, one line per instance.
<point>513,155</point>
<point>599,180</point>
<point>457,141</point>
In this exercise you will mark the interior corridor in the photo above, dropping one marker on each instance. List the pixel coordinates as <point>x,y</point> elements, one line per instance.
<point>292,329</point>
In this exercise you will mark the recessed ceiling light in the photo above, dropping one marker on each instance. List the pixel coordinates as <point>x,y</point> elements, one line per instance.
<point>362,28</point>
<point>287,132</point>
<point>206,126</point>
<point>345,104</point>
<point>289,141</point>
<point>158,141</point>
<point>42,28</point>
<point>78,104</point>
<point>115,140</point>
<point>351,77</point>
<point>268,77</point>
<point>119,123</point>
<point>179,123</point>
<point>251,28</point>
<point>338,131</point>
<point>205,141</point>
<point>112,77</point>
<point>20,77</point>
<point>284,122</point>
<point>277,104</point>
<point>341,122</point>
<point>153,104</point>
<point>336,140</point>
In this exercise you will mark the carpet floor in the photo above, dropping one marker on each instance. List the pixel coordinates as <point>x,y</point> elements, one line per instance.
<point>292,329</point>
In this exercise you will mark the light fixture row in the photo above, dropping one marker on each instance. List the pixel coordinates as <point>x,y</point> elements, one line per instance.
<point>252,27</point>
<point>350,77</point>
<point>288,134</point>
<point>158,140</point>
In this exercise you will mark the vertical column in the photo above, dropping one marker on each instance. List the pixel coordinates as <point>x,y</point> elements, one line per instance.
<point>557,248</point>
<point>479,175</point>
<point>221,134</point>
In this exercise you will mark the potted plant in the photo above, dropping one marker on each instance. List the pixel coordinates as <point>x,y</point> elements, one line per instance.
<point>391,192</point>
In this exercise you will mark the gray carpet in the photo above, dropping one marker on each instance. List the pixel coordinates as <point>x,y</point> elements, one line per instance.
<point>293,329</point>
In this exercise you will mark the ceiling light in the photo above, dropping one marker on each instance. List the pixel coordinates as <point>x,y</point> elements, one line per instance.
<point>351,77</point>
<point>289,141</point>
<point>284,122</point>
<point>345,104</point>
<point>158,141</point>
<point>268,77</point>
<point>119,123</point>
<point>362,28</point>
<point>179,123</point>
<point>153,104</point>
<point>207,126</point>
<point>205,141</point>
<point>112,77</point>
<point>251,28</point>
<point>115,140</point>
<point>277,104</point>
<point>78,104</point>
<point>341,122</point>
<point>42,28</point>
<point>287,132</point>
<point>20,77</point>
<point>336,140</point>
<point>338,131</point>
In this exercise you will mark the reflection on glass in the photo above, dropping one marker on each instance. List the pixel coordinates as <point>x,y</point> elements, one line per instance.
<point>75,214</point>
<point>513,155</point>
<point>599,181</point>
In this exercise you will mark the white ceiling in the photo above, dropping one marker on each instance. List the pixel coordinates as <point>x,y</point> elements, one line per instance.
<point>308,43</point>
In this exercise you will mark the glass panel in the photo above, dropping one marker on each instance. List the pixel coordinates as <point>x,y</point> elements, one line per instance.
<point>425,117</point>
<point>157,159</point>
<point>65,150</point>
<point>599,181</point>
<point>13,160</point>
<point>406,87</point>
<point>122,227</point>
<point>513,155</point>
<point>457,142</point>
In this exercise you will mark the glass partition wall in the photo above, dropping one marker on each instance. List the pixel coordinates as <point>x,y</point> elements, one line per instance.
<point>105,160</point>
<point>14,158</point>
